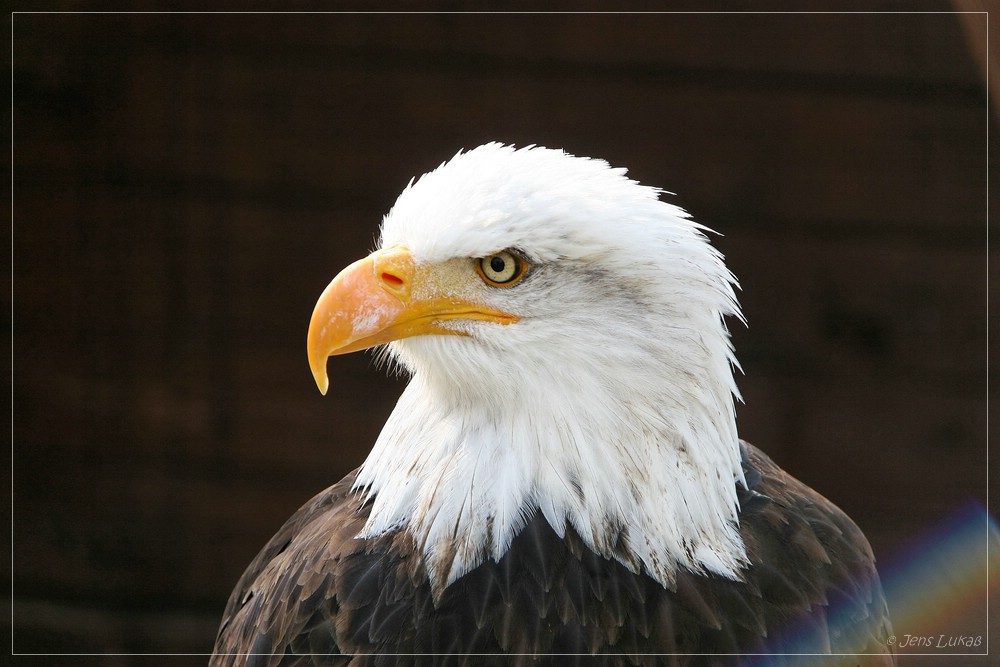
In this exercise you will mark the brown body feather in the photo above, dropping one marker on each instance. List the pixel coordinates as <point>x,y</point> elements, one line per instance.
<point>318,595</point>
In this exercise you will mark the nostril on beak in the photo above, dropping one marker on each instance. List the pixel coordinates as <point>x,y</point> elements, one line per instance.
<point>391,280</point>
<point>394,271</point>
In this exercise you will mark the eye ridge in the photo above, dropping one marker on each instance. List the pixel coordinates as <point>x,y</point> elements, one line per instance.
<point>502,269</point>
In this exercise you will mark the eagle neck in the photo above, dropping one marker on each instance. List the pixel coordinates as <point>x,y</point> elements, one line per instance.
<point>640,479</point>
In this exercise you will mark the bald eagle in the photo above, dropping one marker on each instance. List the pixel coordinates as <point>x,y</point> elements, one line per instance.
<point>562,479</point>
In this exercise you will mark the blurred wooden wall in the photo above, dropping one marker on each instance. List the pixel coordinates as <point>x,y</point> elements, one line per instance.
<point>184,186</point>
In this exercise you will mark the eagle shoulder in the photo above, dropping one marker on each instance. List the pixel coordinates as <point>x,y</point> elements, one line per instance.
<point>814,564</point>
<point>285,600</point>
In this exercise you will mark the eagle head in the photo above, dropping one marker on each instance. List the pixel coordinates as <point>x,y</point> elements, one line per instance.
<point>563,329</point>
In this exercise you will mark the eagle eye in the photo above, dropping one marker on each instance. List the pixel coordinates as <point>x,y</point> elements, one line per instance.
<point>502,269</point>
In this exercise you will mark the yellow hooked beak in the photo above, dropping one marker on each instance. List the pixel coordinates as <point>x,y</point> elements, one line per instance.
<point>388,296</point>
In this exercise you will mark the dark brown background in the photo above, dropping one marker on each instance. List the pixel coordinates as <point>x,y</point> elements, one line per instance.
<point>184,186</point>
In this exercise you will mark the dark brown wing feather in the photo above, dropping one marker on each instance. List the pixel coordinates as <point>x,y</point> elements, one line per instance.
<point>317,595</point>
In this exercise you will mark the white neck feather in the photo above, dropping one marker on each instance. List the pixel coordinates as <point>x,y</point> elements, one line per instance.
<point>628,450</point>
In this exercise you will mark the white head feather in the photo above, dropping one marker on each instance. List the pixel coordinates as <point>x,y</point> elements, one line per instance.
<point>609,406</point>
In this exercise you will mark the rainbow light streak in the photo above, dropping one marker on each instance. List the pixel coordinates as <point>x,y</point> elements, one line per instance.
<point>934,580</point>
<point>941,575</point>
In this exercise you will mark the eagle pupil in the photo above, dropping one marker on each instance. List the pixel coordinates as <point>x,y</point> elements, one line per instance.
<point>497,264</point>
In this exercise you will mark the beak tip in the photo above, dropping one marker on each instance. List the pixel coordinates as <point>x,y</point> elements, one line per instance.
<point>317,364</point>
<point>321,378</point>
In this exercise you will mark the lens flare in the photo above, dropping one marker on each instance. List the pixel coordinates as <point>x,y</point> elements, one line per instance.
<point>941,577</point>
<point>933,585</point>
